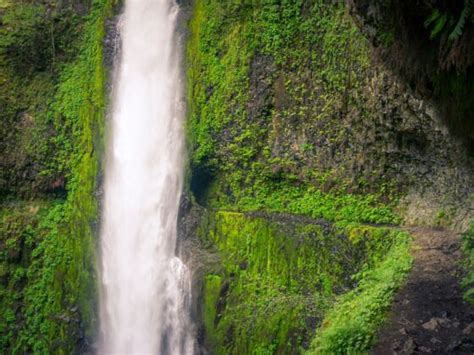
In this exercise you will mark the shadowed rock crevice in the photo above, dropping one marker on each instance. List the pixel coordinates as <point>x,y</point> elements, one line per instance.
<point>430,45</point>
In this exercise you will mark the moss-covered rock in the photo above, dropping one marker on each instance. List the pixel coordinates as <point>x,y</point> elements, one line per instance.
<point>48,248</point>
<point>37,38</point>
<point>285,99</point>
<point>274,278</point>
<point>290,112</point>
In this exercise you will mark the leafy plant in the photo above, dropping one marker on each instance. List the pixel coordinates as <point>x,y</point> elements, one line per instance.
<point>465,13</point>
<point>441,21</point>
<point>437,21</point>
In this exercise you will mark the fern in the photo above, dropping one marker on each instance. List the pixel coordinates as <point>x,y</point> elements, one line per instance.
<point>438,20</point>
<point>434,15</point>
<point>467,10</point>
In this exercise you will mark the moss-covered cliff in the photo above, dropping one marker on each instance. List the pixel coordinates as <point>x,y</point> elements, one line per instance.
<point>53,92</point>
<point>274,278</point>
<point>307,149</point>
<point>287,111</point>
<point>290,111</point>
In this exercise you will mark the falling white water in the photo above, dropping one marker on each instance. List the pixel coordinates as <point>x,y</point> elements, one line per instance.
<point>145,286</point>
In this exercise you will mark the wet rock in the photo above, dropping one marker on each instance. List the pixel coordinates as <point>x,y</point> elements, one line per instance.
<point>63,318</point>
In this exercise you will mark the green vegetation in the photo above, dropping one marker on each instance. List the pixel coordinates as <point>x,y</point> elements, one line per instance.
<point>52,308</point>
<point>317,204</point>
<point>37,42</point>
<point>440,22</point>
<point>350,327</point>
<point>467,14</point>
<point>468,250</point>
<point>271,89</point>
<point>21,233</point>
<point>276,281</point>
<point>257,76</point>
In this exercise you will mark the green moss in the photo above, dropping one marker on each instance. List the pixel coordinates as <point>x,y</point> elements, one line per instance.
<point>317,204</point>
<point>20,234</point>
<point>37,42</point>
<point>210,59</point>
<point>212,290</point>
<point>280,278</point>
<point>59,279</point>
<point>350,327</point>
<point>261,77</point>
<point>468,251</point>
<point>272,87</point>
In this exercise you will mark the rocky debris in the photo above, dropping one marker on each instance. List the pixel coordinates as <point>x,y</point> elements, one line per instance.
<point>469,330</point>
<point>429,315</point>
<point>432,324</point>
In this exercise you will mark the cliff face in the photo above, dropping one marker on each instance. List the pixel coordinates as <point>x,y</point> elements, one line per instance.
<point>53,104</point>
<point>265,282</point>
<point>343,114</point>
<point>289,97</point>
<point>429,45</point>
<point>293,110</point>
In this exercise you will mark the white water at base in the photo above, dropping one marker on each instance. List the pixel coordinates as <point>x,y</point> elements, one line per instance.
<point>146,292</point>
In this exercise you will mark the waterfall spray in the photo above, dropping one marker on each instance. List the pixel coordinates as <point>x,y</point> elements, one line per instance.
<point>145,286</point>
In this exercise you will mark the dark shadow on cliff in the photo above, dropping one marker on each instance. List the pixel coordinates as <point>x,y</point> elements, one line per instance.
<point>430,45</point>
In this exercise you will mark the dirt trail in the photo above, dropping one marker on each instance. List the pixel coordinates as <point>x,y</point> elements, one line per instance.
<point>428,315</point>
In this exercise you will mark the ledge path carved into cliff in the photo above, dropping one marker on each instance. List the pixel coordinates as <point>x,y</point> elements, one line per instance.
<point>428,314</point>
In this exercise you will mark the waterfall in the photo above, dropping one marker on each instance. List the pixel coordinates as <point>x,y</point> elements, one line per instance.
<point>145,294</point>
